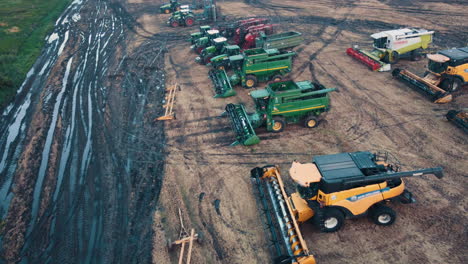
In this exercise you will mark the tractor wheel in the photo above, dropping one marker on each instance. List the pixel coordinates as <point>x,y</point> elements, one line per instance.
<point>332,220</point>
<point>278,124</point>
<point>277,78</point>
<point>395,57</point>
<point>166,11</point>
<point>189,21</point>
<point>310,121</point>
<point>250,81</point>
<point>382,215</point>
<point>174,23</point>
<point>451,84</point>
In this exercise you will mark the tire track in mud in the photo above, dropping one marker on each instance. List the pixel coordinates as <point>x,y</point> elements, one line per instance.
<point>79,222</point>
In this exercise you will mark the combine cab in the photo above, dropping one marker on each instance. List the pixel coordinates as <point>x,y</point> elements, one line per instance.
<point>330,189</point>
<point>278,104</point>
<point>448,72</point>
<point>254,66</point>
<point>390,45</point>
<point>459,118</point>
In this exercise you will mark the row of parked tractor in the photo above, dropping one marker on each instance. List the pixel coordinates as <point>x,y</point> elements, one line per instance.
<point>250,53</point>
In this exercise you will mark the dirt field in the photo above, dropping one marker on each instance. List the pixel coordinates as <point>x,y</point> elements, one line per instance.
<point>209,180</point>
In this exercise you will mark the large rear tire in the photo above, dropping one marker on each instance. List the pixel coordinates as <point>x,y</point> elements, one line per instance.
<point>382,215</point>
<point>332,220</point>
<point>278,124</point>
<point>250,81</point>
<point>189,21</point>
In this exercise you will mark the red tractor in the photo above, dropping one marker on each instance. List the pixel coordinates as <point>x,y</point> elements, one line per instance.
<point>228,30</point>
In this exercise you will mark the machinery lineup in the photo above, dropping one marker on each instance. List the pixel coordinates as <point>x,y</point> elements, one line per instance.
<point>251,53</point>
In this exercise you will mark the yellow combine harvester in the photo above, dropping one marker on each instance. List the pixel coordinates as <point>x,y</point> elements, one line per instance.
<point>332,188</point>
<point>447,72</point>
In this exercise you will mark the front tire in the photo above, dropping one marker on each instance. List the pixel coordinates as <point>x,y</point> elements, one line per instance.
<point>383,215</point>
<point>332,220</point>
<point>310,121</point>
<point>277,78</point>
<point>250,81</point>
<point>278,124</point>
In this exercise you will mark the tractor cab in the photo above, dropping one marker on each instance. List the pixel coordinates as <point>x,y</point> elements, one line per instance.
<point>201,33</point>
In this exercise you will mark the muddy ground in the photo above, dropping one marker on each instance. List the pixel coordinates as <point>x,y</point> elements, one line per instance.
<point>209,180</point>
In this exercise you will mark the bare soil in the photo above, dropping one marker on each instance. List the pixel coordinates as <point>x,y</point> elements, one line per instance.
<point>209,180</point>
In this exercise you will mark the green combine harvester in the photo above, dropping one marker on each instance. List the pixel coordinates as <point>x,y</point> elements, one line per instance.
<point>250,68</point>
<point>278,104</point>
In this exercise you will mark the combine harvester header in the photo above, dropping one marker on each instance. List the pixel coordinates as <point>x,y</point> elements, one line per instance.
<point>390,45</point>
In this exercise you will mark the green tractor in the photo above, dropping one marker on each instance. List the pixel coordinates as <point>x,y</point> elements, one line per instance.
<point>250,68</point>
<point>278,104</point>
<point>184,17</point>
<point>219,46</point>
<point>205,41</point>
<point>197,35</point>
<point>173,6</point>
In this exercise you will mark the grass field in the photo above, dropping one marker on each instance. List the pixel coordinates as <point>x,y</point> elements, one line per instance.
<point>23,27</point>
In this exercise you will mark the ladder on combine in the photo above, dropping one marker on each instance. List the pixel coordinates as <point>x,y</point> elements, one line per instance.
<point>169,106</point>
